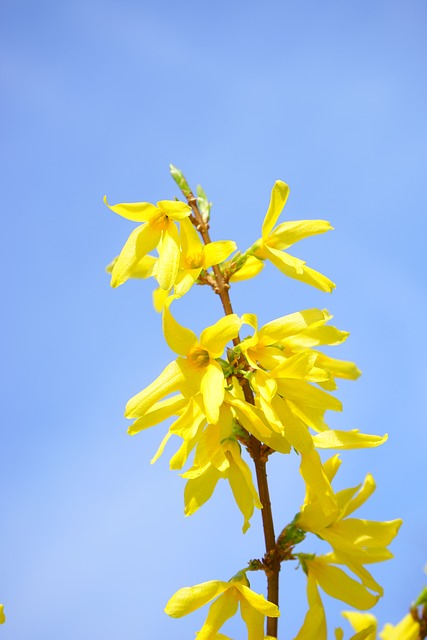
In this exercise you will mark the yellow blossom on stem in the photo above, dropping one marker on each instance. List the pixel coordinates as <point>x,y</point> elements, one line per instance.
<point>337,584</point>
<point>273,242</point>
<point>362,622</point>
<point>218,455</point>
<point>145,268</point>
<point>194,371</point>
<point>229,596</point>
<point>406,629</point>
<point>250,268</point>
<point>196,256</point>
<point>158,230</point>
<point>355,541</point>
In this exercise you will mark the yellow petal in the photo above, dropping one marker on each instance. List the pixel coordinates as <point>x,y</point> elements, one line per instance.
<point>167,382</point>
<point>220,611</point>
<point>179,338</point>
<point>312,471</point>
<point>144,268</point>
<point>353,439</point>
<point>250,417</point>
<point>339,585</point>
<point>355,532</point>
<point>216,252</point>
<point>257,601</point>
<point>288,233</point>
<point>142,240</point>
<point>136,211</point>
<point>407,629</point>
<point>314,625</point>
<point>295,268</point>
<point>215,337</point>
<point>252,267</point>
<point>253,619</point>
<point>279,195</point>
<point>188,599</point>
<point>355,565</point>
<point>315,336</point>
<point>361,621</point>
<point>240,479</point>
<point>161,448</point>
<point>339,368</point>
<point>198,490</point>
<point>367,489</point>
<point>167,266</point>
<point>158,413</point>
<point>185,280</point>
<point>174,209</point>
<point>190,239</point>
<point>212,389</point>
<point>159,298</point>
<point>299,367</point>
<point>188,423</point>
<point>291,324</point>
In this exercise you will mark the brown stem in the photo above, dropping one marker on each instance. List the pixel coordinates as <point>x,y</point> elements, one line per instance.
<point>256,450</point>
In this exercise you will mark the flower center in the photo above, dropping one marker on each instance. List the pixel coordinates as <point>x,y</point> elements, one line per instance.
<point>159,220</point>
<point>194,261</point>
<point>199,357</point>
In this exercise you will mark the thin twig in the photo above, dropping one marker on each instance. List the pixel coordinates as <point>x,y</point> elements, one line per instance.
<point>271,559</point>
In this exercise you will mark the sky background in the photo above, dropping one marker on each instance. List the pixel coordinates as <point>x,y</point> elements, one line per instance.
<point>98,97</point>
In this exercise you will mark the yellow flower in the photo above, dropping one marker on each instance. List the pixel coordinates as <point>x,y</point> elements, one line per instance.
<point>406,629</point>
<point>272,243</point>
<point>355,541</point>
<point>2,616</point>
<point>253,606</point>
<point>217,456</point>
<point>362,623</point>
<point>250,268</point>
<point>314,625</point>
<point>195,256</point>
<point>195,371</point>
<point>337,584</point>
<point>158,230</point>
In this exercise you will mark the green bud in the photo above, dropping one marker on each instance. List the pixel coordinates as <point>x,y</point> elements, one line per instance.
<point>240,576</point>
<point>237,430</point>
<point>203,204</point>
<point>225,366</point>
<point>422,598</point>
<point>180,180</point>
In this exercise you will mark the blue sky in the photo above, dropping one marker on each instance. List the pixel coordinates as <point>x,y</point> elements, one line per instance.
<point>99,97</point>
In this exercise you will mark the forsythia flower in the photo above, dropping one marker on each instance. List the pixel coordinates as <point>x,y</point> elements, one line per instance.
<point>196,256</point>
<point>2,616</point>
<point>355,541</point>
<point>218,456</point>
<point>158,230</point>
<point>337,584</point>
<point>195,371</point>
<point>253,606</point>
<point>272,243</point>
<point>362,622</point>
<point>406,629</point>
<point>285,366</point>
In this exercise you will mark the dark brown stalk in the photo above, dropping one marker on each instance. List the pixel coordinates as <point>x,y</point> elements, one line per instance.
<point>255,448</point>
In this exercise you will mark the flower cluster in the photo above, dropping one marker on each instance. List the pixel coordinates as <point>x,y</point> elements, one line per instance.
<point>228,399</point>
